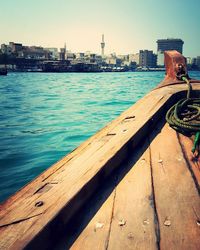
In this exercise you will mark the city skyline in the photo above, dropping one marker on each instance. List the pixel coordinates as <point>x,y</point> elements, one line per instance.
<point>128,26</point>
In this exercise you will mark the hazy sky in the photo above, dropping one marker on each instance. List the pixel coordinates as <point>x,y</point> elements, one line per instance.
<point>128,25</point>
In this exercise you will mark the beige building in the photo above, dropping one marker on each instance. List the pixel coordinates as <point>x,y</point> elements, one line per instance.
<point>134,58</point>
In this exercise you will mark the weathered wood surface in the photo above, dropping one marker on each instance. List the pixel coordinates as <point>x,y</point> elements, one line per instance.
<point>176,196</point>
<point>126,219</point>
<point>133,224</point>
<point>60,191</point>
<point>155,206</point>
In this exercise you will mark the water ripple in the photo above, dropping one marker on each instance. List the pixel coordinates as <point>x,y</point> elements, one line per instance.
<point>45,116</point>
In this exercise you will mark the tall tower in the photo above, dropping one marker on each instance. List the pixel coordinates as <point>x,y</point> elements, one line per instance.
<point>65,48</point>
<point>65,51</point>
<point>102,46</point>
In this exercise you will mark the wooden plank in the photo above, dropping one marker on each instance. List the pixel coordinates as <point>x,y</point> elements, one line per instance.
<point>133,223</point>
<point>95,235</point>
<point>72,180</point>
<point>176,197</point>
<point>127,217</point>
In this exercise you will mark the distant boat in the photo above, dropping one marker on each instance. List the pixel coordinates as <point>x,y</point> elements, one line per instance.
<point>3,71</point>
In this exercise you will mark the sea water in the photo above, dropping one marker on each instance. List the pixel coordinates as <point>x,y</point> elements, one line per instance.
<point>44,116</point>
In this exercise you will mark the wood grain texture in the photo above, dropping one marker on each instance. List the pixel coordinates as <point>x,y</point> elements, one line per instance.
<point>96,233</point>
<point>133,223</point>
<point>127,215</point>
<point>176,197</point>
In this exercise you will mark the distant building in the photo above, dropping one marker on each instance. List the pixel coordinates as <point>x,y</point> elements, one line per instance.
<point>113,60</point>
<point>70,56</point>
<point>98,59</point>
<point>92,58</point>
<point>54,53</point>
<point>17,50</point>
<point>167,44</point>
<point>195,63</point>
<point>134,58</point>
<point>33,52</point>
<point>80,55</point>
<point>189,60</point>
<point>15,47</point>
<point>160,58</point>
<point>147,59</point>
<point>11,48</point>
<point>170,44</point>
<point>5,49</point>
<point>198,61</point>
<point>62,54</point>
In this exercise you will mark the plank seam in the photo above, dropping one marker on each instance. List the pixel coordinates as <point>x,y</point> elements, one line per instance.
<point>21,220</point>
<point>156,220</point>
<point>111,220</point>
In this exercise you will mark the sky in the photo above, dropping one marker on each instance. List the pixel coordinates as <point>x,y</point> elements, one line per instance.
<point>128,25</point>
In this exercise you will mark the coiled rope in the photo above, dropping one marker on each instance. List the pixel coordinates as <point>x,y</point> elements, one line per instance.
<point>184,116</point>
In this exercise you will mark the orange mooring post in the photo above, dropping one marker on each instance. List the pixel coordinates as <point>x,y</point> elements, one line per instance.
<point>175,65</point>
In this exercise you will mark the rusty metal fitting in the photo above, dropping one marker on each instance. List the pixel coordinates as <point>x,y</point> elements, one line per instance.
<point>176,67</point>
<point>180,71</point>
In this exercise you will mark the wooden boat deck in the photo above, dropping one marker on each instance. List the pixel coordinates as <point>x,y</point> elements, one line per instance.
<point>133,185</point>
<point>151,203</point>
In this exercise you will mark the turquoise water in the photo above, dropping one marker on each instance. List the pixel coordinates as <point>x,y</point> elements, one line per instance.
<point>45,116</point>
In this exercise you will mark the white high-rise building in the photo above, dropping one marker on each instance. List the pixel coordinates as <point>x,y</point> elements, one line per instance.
<point>102,46</point>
